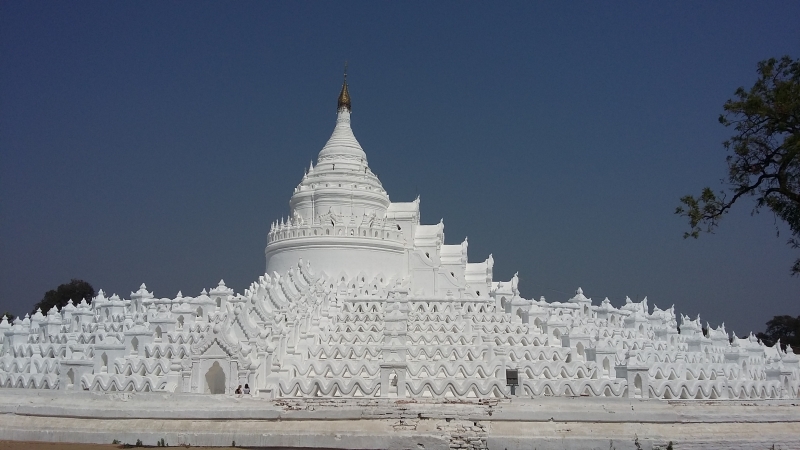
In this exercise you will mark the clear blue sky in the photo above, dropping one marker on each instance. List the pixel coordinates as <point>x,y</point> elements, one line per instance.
<point>155,141</point>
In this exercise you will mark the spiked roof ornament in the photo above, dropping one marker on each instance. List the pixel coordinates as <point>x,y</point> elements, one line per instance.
<point>344,96</point>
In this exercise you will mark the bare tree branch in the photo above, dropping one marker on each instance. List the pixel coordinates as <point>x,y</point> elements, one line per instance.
<point>764,154</point>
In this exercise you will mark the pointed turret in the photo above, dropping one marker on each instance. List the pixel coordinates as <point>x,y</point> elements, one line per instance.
<point>342,149</point>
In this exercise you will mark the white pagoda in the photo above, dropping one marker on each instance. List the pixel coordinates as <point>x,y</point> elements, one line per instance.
<point>359,299</point>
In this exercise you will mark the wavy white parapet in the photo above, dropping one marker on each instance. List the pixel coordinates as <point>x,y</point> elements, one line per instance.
<point>360,299</point>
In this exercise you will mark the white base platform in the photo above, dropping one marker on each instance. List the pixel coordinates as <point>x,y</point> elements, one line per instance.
<point>365,423</point>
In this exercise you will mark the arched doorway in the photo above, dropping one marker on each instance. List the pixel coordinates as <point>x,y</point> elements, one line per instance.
<point>215,379</point>
<point>392,384</point>
<point>637,386</point>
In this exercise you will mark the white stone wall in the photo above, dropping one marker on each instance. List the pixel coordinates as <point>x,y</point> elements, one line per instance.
<point>362,300</point>
<point>312,335</point>
<point>510,424</point>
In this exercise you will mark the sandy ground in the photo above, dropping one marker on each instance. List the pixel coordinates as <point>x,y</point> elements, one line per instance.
<point>21,445</point>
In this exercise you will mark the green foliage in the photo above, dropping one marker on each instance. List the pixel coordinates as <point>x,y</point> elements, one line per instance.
<point>785,329</point>
<point>75,290</point>
<point>763,155</point>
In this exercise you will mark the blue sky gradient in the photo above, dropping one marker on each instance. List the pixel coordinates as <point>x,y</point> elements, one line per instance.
<point>155,141</point>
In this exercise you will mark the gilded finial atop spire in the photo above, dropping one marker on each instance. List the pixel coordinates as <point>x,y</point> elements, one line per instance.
<point>344,96</point>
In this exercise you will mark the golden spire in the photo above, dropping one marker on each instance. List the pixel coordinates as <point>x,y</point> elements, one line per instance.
<point>344,96</point>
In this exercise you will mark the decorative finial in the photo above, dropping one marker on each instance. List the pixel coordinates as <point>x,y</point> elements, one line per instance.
<point>344,96</point>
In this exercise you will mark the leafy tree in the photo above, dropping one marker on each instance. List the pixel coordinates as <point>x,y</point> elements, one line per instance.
<point>75,290</point>
<point>764,153</point>
<point>783,328</point>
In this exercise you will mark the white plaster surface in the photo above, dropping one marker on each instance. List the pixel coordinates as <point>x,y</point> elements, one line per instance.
<point>365,305</point>
<point>551,423</point>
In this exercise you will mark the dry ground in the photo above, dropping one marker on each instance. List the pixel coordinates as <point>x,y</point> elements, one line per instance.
<point>22,445</point>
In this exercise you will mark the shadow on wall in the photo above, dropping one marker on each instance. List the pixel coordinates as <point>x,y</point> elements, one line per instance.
<point>215,379</point>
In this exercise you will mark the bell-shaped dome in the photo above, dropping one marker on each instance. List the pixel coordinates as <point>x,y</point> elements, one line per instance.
<point>341,183</point>
<point>342,143</point>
